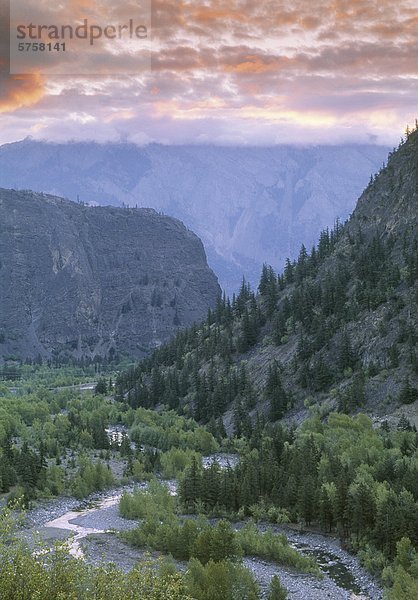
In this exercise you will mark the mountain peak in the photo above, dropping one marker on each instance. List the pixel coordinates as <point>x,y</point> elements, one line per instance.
<point>390,202</point>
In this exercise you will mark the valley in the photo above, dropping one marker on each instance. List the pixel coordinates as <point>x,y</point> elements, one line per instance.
<point>166,445</point>
<point>208,300</point>
<point>266,449</point>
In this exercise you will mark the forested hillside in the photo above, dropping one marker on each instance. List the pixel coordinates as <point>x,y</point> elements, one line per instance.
<point>337,328</point>
<point>335,332</point>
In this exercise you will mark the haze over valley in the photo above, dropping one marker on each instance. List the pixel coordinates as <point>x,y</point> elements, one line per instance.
<point>248,205</point>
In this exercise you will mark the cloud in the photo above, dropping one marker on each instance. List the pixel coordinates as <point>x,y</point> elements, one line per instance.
<point>242,71</point>
<point>18,91</point>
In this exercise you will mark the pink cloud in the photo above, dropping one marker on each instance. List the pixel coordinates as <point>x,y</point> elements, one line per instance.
<point>242,70</point>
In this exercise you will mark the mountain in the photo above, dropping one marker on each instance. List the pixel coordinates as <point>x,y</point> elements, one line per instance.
<point>337,329</point>
<point>82,282</point>
<point>248,205</point>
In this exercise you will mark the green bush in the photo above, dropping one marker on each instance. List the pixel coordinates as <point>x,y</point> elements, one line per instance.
<point>220,581</point>
<point>373,560</point>
<point>273,547</point>
<point>153,502</point>
<point>191,539</point>
<point>276,591</point>
<point>91,477</point>
<point>265,512</point>
<point>176,460</point>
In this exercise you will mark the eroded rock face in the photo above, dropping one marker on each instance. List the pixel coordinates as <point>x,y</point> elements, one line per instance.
<point>94,281</point>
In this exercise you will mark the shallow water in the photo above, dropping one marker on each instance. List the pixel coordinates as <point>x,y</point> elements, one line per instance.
<point>70,521</point>
<point>332,565</point>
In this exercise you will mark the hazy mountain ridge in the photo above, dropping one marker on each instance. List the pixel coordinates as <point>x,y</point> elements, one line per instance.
<point>84,282</point>
<point>248,205</point>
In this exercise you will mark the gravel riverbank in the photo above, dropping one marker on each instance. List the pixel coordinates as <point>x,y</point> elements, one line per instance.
<point>94,520</point>
<point>344,568</point>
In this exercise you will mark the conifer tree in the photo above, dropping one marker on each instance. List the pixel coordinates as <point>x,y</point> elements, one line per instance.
<point>275,393</point>
<point>276,591</point>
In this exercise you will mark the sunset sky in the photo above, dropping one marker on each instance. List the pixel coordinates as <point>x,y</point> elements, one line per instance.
<point>233,72</point>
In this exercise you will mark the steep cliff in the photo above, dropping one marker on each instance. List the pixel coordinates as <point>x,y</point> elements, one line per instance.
<point>87,281</point>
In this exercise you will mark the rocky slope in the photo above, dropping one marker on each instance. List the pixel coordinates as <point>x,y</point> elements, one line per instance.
<point>83,281</point>
<point>248,205</point>
<point>337,328</point>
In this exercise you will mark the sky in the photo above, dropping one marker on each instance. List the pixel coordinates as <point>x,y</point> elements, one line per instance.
<point>229,72</point>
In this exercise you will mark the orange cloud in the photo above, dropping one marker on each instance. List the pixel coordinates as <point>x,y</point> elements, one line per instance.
<point>19,91</point>
<point>207,15</point>
<point>252,64</point>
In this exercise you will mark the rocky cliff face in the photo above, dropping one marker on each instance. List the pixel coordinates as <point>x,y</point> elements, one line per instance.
<point>389,205</point>
<point>248,205</point>
<point>87,281</point>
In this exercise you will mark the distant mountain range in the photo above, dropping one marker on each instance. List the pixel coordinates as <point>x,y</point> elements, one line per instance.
<point>85,282</point>
<point>248,205</point>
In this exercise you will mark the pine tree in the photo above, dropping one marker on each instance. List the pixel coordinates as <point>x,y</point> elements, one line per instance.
<point>211,485</point>
<point>264,281</point>
<point>289,272</point>
<point>362,507</point>
<point>276,591</point>
<point>346,357</point>
<point>101,386</point>
<point>191,485</point>
<point>408,394</point>
<point>275,393</point>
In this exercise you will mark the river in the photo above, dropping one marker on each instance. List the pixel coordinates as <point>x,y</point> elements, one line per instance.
<point>90,529</point>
